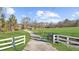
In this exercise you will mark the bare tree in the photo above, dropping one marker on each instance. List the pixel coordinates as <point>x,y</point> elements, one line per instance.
<point>25,22</point>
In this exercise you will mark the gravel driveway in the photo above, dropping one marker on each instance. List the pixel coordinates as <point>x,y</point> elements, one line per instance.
<point>36,45</point>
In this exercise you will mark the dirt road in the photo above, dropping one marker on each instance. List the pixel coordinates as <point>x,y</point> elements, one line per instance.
<point>36,44</point>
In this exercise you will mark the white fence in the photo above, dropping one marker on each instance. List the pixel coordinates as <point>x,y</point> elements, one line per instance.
<point>11,42</point>
<point>66,39</point>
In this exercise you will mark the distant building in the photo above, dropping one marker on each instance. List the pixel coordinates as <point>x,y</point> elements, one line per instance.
<point>19,26</point>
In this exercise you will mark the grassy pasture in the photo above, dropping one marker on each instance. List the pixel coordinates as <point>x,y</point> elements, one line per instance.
<point>69,31</point>
<point>4,35</point>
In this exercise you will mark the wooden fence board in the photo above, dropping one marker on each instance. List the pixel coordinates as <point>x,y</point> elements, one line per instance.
<point>13,40</point>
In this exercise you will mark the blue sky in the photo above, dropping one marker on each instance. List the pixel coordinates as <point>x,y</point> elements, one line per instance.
<point>45,14</point>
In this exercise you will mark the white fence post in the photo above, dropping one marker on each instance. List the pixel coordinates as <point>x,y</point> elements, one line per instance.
<point>67,40</point>
<point>53,38</point>
<point>13,42</point>
<point>57,38</point>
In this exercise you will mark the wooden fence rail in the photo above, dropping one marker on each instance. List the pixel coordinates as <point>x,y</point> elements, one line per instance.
<point>66,39</point>
<point>11,42</point>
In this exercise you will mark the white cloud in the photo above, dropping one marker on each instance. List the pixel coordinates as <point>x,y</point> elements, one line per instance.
<point>40,13</point>
<point>52,14</point>
<point>47,14</point>
<point>10,11</point>
<point>23,15</point>
<point>50,20</point>
<point>76,14</point>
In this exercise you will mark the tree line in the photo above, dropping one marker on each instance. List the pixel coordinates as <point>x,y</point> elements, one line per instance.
<point>64,23</point>
<point>11,24</point>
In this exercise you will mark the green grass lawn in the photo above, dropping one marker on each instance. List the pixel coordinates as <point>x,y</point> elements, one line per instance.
<point>63,47</point>
<point>20,47</point>
<point>69,31</point>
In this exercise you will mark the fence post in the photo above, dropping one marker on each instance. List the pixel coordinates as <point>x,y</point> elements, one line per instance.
<point>67,40</point>
<point>53,38</point>
<point>13,42</point>
<point>24,39</point>
<point>57,38</point>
